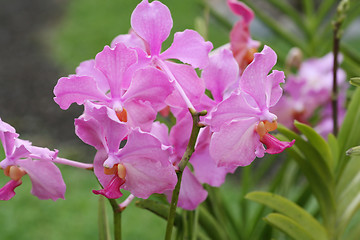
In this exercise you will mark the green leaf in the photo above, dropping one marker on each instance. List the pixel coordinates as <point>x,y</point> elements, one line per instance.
<point>291,210</point>
<point>349,134</point>
<point>348,192</point>
<point>104,229</point>
<point>210,225</point>
<point>321,183</point>
<point>355,81</point>
<point>334,148</point>
<point>288,226</point>
<point>317,141</point>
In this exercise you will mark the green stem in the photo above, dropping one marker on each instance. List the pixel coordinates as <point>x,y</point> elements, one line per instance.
<point>184,161</point>
<point>117,218</point>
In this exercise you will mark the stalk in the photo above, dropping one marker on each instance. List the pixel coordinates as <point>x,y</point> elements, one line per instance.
<point>184,160</point>
<point>117,218</point>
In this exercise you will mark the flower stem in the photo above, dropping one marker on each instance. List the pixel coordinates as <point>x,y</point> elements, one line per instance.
<point>87,166</point>
<point>117,218</point>
<point>340,16</point>
<point>184,160</point>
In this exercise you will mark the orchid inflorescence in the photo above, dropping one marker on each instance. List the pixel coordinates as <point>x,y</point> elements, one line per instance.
<point>130,82</point>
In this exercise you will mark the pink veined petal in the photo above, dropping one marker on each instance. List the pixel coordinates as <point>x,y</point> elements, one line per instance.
<point>149,84</point>
<point>234,107</point>
<point>161,132</point>
<point>273,90</point>
<point>131,40</point>
<point>235,144</point>
<point>253,79</point>
<point>220,74</point>
<point>87,68</point>
<point>240,9</point>
<point>145,176</point>
<point>206,169</point>
<point>113,63</point>
<point>77,89</point>
<point>112,190</point>
<point>273,145</point>
<point>189,47</point>
<point>89,131</point>
<point>144,145</point>
<point>192,192</point>
<point>239,43</point>
<point>153,23</point>
<point>47,182</point>
<point>7,191</point>
<point>180,134</point>
<point>193,86</point>
<point>140,114</point>
<point>5,127</point>
<point>100,127</point>
<point>8,141</point>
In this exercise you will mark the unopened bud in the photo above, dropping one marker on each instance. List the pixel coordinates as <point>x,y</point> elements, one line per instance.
<point>355,151</point>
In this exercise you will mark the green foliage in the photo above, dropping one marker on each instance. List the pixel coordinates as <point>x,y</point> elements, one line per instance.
<point>310,226</point>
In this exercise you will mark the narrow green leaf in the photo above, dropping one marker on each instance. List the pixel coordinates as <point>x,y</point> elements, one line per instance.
<point>291,210</point>
<point>355,81</point>
<point>317,141</point>
<point>321,187</point>
<point>348,192</point>
<point>210,225</point>
<point>334,148</point>
<point>288,226</point>
<point>104,229</point>
<point>160,209</point>
<point>349,134</point>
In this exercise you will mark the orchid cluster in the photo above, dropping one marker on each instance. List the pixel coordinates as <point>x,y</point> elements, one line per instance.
<point>130,82</point>
<point>309,93</point>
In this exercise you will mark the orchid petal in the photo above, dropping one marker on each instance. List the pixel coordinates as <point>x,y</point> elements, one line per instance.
<point>140,114</point>
<point>87,68</point>
<point>273,90</point>
<point>253,79</point>
<point>273,145</point>
<point>7,191</point>
<point>113,63</point>
<point>189,47</point>
<point>192,192</point>
<point>131,40</point>
<point>112,190</point>
<point>193,86</point>
<point>240,9</point>
<point>153,23</point>
<point>149,84</point>
<point>235,144</point>
<point>234,107</point>
<point>221,72</point>
<point>77,89</point>
<point>47,182</point>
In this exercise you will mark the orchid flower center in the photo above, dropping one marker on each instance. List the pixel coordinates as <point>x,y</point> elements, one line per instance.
<point>122,115</point>
<point>14,172</point>
<point>249,55</point>
<point>117,169</point>
<point>264,127</point>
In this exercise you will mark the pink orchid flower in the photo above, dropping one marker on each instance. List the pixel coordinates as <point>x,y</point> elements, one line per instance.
<point>309,90</point>
<point>22,158</point>
<point>242,121</point>
<point>152,23</point>
<point>241,43</point>
<point>110,80</point>
<point>141,167</point>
